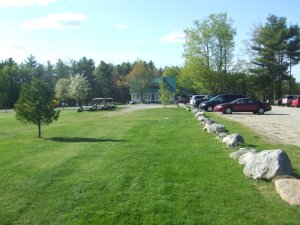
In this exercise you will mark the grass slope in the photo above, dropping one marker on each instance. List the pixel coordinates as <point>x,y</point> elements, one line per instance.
<point>147,167</point>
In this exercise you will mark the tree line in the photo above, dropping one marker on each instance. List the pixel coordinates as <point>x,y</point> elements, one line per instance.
<point>273,49</point>
<point>209,67</point>
<point>74,83</point>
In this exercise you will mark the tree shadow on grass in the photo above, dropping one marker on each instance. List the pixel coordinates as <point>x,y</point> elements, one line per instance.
<point>82,139</point>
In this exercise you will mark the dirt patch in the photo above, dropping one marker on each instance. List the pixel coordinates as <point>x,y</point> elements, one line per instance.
<point>281,125</point>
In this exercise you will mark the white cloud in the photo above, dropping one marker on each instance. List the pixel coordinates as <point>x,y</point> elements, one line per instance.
<point>121,26</point>
<point>174,37</point>
<point>55,21</point>
<point>24,3</point>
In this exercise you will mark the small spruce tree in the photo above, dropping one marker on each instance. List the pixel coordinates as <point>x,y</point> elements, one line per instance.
<point>35,104</point>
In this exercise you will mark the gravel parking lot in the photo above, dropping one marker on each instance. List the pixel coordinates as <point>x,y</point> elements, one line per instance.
<point>281,125</point>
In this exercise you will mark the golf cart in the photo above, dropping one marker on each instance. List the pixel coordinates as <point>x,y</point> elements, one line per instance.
<point>99,104</point>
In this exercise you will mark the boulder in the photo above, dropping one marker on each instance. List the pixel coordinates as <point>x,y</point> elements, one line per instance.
<point>240,152</point>
<point>233,140</point>
<point>289,190</point>
<point>199,113</point>
<point>245,158</point>
<point>207,121</point>
<point>221,136</point>
<point>214,128</point>
<point>195,110</point>
<point>201,118</point>
<point>268,164</point>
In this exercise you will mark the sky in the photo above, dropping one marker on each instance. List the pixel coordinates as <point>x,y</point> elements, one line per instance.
<point>117,31</point>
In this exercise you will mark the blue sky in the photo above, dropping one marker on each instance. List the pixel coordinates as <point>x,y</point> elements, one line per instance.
<point>122,30</point>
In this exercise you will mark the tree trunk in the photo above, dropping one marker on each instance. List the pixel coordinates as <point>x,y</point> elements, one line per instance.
<point>142,96</point>
<point>39,129</point>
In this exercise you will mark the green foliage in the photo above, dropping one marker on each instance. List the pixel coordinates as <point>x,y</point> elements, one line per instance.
<point>101,168</point>
<point>141,76</point>
<point>208,54</point>
<point>10,77</point>
<point>62,89</point>
<point>164,96</point>
<point>35,104</point>
<point>277,47</point>
<point>211,42</point>
<point>61,69</point>
<point>79,87</point>
<point>104,78</point>
<point>171,71</point>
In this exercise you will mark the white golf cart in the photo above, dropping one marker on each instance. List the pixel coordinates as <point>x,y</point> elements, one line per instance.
<point>99,104</point>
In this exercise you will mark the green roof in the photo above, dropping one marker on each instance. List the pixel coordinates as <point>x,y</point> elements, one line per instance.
<point>169,81</point>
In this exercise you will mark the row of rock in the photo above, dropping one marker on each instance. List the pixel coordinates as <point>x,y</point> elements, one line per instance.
<point>267,165</point>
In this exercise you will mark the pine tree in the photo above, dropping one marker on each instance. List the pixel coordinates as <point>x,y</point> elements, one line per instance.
<point>35,104</point>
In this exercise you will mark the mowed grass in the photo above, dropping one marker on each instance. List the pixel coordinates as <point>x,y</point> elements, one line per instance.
<point>146,167</point>
<point>253,140</point>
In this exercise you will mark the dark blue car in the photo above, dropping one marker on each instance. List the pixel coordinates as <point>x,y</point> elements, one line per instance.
<point>219,99</point>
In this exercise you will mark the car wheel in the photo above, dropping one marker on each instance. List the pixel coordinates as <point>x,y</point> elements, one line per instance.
<point>228,110</point>
<point>261,110</point>
<point>210,108</point>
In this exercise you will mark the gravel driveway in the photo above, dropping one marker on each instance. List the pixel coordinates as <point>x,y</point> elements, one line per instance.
<point>281,125</point>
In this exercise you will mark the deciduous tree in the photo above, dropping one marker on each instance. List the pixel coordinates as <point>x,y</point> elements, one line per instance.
<point>79,88</point>
<point>141,76</point>
<point>62,88</point>
<point>164,96</point>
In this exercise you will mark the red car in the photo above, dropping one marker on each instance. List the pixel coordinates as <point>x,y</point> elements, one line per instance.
<point>296,102</point>
<point>243,105</point>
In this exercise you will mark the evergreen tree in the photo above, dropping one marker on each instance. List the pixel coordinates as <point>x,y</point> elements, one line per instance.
<point>35,104</point>
<point>276,47</point>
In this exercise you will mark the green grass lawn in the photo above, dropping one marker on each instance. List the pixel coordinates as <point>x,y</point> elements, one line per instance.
<point>147,167</point>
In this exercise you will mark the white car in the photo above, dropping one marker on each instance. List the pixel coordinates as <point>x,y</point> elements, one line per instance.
<point>287,100</point>
<point>195,97</point>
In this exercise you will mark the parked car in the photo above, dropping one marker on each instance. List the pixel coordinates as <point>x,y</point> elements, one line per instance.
<point>206,98</point>
<point>287,100</point>
<point>243,105</point>
<point>296,102</point>
<point>195,97</point>
<point>182,100</point>
<point>219,99</point>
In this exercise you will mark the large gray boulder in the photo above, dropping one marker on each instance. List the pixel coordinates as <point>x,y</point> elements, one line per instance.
<point>206,121</point>
<point>237,154</point>
<point>195,110</point>
<point>199,113</point>
<point>245,158</point>
<point>201,118</point>
<point>289,190</point>
<point>214,128</point>
<point>268,164</point>
<point>221,135</point>
<point>233,140</point>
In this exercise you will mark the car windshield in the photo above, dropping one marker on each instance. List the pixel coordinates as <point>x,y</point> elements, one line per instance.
<point>213,98</point>
<point>235,101</point>
<point>218,98</point>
